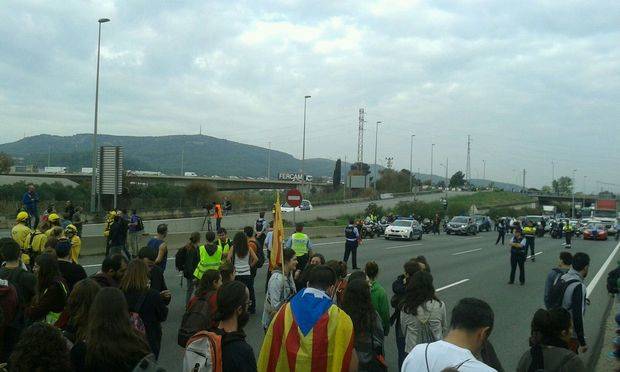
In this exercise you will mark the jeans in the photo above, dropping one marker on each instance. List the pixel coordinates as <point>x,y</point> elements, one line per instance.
<point>134,242</point>
<point>248,280</point>
<point>500,235</point>
<point>191,286</point>
<point>517,258</point>
<point>116,249</point>
<point>400,344</point>
<point>350,248</point>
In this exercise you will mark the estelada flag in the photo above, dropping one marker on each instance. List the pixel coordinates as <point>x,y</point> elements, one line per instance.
<point>277,237</point>
<point>309,333</point>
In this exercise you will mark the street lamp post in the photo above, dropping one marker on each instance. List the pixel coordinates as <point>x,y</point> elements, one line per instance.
<point>583,202</point>
<point>93,188</point>
<point>446,184</point>
<point>432,151</point>
<point>411,165</point>
<point>376,142</point>
<point>269,162</point>
<point>572,213</point>
<point>303,151</point>
<point>484,169</point>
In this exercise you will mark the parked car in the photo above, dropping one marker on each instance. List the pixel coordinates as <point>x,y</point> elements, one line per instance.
<point>404,229</point>
<point>483,223</point>
<point>462,225</point>
<point>595,231</point>
<point>305,206</point>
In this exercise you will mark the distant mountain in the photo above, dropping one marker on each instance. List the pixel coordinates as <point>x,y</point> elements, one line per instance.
<point>204,155</point>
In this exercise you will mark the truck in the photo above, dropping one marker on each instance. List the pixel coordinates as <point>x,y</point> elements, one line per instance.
<point>549,210</point>
<point>87,171</point>
<point>55,170</point>
<point>190,174</point>
<point>605,211</point>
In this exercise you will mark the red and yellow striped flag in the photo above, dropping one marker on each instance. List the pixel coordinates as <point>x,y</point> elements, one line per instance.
<point>326,347</point>
<point>277,242</point>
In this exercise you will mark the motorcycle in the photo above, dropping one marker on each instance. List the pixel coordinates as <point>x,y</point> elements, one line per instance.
<point>556,233</point>
<point>365,229</point>
<point>427,226</point>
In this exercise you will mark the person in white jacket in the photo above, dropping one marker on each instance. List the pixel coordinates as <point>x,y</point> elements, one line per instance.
<point>423,315</point>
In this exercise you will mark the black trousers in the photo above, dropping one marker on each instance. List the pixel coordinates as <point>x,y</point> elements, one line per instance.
<point>350,248</point>
<point>248,280</point>
<point>302,261</point>
<point>569,237</point>
<point>500,235</point>
<point>531,244</point>
<point>517,258</point>
<point>218,223</point>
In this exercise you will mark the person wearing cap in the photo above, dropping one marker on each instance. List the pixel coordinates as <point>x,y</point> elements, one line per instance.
<point>54,221</point>
<point>21,232</point>
<point>76,242</point>
<point>158,244</point>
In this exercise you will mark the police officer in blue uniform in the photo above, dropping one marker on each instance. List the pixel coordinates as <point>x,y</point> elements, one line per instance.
<point>352,236</point>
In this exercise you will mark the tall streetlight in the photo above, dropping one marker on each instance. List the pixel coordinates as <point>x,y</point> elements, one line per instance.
<point>93,188</point>
<point>572,213</point>
<point>269,162</point>
<point>553,175</point>
<point>303,151</point>
<point>484,169</point>
<point>583,203</point>
<point>376,142</point>
<point>411,165</point>
<point>432,151</point>
<point>446,184</point>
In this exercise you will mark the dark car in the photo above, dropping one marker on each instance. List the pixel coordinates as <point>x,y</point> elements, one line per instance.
<point>483,223</point>
<point>462,225</point>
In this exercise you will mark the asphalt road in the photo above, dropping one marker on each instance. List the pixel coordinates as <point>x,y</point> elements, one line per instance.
<point>461,267</point>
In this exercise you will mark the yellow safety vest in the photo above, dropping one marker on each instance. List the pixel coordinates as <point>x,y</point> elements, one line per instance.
<point>225,247</point>
<point>208,262</point>
<point>21,234</point>
<point>300,244</point>
<point>53,317</point>
<point>76,246</point>
<point>37,241</point>
<point>529,231</point>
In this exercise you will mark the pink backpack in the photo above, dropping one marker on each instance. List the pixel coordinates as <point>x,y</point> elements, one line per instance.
<point>134,316</point>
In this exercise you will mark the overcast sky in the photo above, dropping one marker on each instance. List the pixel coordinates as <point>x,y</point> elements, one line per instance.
<point>531,81</point>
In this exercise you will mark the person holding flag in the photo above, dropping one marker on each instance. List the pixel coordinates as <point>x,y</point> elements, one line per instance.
<point>310,333</point>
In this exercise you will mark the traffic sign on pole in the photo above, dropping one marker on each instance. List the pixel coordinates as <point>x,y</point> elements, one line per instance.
<point>293,198</point>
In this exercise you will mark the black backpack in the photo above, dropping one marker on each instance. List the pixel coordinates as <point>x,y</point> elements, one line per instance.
<point>260,254</point>
<point>556,295</point>
<point>197,318</point>
<point>180,258</point>
<point>140,225</point>
<point>612,280</point>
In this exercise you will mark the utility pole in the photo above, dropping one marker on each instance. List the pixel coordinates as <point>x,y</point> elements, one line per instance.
<point>432,151</point>
<point>484,169</point>
<point>374,183</point>
<point>344,175</point>
<point>572,214</point>
<point>411,165</point>
<point>49,155</point>
<point>269,162</point>
<point>182,161</point>
<point>552,174</point>
<point>360,137</point>
<point>447,183</point>
<point>303,151</point>
<point>468,167</point>
<point>524,178</point>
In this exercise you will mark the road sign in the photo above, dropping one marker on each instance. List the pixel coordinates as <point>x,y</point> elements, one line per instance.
<point>293,198</point>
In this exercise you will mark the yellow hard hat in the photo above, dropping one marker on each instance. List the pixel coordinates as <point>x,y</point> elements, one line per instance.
<point>53,217</point>
<point>71,228</point>
<point>22,216</point>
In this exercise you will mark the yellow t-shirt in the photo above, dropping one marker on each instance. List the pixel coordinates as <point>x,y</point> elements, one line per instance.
<point>76,246</point>
<point>21,234</point>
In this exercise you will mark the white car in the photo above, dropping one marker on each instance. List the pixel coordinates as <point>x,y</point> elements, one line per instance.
<point>404,229</point>
<point>305,206</point>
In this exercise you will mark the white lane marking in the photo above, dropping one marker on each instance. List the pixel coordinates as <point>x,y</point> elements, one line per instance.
<point>451,285</point>
<point>473,237</point>
<point>328,243</point>
<point>535,254</point>
<point>98,265</point>
<point>403,246</point>
<point>469,251</point>
<point>601,271</point>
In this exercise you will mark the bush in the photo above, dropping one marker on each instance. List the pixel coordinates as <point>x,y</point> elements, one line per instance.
<point>374,209</point>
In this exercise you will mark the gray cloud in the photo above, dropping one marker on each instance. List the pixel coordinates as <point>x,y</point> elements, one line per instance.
<point>531,81</point>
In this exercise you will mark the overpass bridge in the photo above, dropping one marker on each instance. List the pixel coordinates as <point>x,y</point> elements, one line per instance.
<point>544,199</point>
<point>221,183</point>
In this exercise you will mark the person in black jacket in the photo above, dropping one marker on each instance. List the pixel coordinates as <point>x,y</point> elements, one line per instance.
<point>156,274</point>
<point>187,259</point>
<point>69,270</point>
<point>52,291</point>
<point>232,314</point>
<point>399,287</point>
<point>145,301</point>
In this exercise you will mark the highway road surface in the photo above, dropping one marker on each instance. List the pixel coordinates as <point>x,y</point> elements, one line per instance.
<point>461,266</point>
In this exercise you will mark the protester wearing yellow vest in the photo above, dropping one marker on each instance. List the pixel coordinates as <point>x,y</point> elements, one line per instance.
<point>300,243</point>
<point>529,232</point>
<point>210,256</point>
<point>223,242</point>
<point>76,242</point>
<point>21,232</point>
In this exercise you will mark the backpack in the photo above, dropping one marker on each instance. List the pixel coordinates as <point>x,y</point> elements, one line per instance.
<point>134,316</point>
<point>556,294</point>
<point>203,353</point>
<point>260,254</point>
<point>180,258</point>
<point>140,224</point>
<point>425,333</point>
<point>612,280</point>
<point>148,364</point>
<point>9,304</point>
<point>195,319</point>
<point>260,223</point>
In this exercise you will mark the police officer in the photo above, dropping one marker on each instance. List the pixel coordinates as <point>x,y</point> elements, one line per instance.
<point>517,257</point>
<point>530,237</point>
<point>501,230</point>
<point>352,236</point>
<point>300,243</point>
<point>568,234</point>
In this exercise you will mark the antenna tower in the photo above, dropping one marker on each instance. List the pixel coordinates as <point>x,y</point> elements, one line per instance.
<point>360,137</point>
<point>468,168</point>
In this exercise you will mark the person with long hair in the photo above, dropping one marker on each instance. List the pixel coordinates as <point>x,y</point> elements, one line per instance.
<point>208,285</point>
<point>243,258</point>
<point>51,291</point>
<point>399,288</point>
<point>40,348</point>
<point>281,286</point>
<point>366,324</point>
<point>78,308</point>
<point>145,301</point>
<point>378,295</point>
<point>550,337</point>
<point>422,315</point>
<point>111,343</point>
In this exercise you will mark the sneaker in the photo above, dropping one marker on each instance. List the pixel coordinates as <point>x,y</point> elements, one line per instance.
<point>511,282</point>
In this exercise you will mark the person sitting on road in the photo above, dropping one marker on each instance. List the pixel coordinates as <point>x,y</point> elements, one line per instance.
<point>112,271</point>
<point>470,326</point>
<point>551,333</point>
